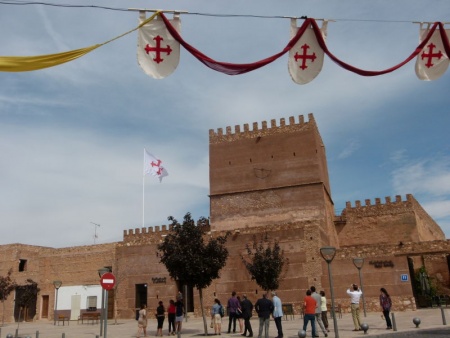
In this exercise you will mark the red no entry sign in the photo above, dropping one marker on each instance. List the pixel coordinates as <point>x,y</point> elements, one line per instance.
<point>107,281</point>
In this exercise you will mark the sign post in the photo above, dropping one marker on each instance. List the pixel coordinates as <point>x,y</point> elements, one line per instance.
<point>107,281</point>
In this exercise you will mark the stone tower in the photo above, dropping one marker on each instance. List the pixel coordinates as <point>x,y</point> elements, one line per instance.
<point>271,176</point>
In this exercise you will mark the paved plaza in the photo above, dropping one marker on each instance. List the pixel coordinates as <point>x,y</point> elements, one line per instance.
<point>431,326</point>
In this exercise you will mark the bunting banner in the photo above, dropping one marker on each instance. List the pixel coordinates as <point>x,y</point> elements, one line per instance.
<point>432,62</point>
<point>306,57</point>
<point>158,52</point>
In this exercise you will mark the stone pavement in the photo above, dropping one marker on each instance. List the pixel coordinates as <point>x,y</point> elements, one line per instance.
<point>431,325</point>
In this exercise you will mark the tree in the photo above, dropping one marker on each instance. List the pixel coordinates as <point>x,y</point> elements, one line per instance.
<point>26,296</point>
<point>189,259</point>
<point>7,285</point>
<point>265,262</point>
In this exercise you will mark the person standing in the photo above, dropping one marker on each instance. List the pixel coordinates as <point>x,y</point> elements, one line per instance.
<point>179,312</point>
<point>160,318</point>
<point>216,318</point>
<point>264,307</point>
<point>309,305</point>
<point>232,306</point>
<point>142,321</point>
<point>239,314</point>
<point>323,306</point>
<point>171,316</point>
<point>247,310</point>
<point>386,304</point>
<point>355,294</point>
<point>318,310</point>
<point>277,313</point>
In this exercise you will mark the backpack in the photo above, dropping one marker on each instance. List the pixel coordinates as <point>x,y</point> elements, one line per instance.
<point>221,311</point>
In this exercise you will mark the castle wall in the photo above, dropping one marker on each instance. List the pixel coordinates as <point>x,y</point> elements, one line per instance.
<point>392,222</point>
<point>73,266</point>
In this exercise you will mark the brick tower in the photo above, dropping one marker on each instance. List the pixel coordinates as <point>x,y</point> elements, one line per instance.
<point>267,177</point>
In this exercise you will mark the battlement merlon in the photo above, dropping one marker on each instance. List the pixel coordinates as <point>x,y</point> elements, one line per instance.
<point>219,136</point>
<point>388,201</point>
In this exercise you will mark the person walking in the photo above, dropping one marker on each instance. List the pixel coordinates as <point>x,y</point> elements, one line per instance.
<point>323,307</point>
<point>264,307</point>
<point>160,318</point>
<point>355,294</point>
<point>386,304</point>
<point>171,317</point>
<point>216,318</point>
<point>309,305</point>
<point>232,306</point>
<point>142,321</point>
<point>318,310</point>
<point>247,310</point>
<point>277,314</point>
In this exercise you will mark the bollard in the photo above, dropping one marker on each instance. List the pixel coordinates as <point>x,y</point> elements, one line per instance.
<point>17,333</point>
<point>416,321</point>
<point>394,324</point>
<point>444,322</point>
<point>302,334</point>
<point>9,335</point>
<point>365,327</point>
<point>37,334</point>
<point>63,335</point>
<point>178,334</point>
<point>97,336</point>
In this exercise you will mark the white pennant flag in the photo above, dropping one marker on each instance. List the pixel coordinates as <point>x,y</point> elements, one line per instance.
<point>154,166</point>
<point>432,61</point>
<point>158,52</point>
<point>306,56</point>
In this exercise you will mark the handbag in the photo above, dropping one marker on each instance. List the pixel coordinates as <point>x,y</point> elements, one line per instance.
<point>212,325</point>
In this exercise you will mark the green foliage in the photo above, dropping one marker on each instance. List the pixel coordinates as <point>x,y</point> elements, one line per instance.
<point>186,255</point>
<point>7,285</point>
<point>265,262</point>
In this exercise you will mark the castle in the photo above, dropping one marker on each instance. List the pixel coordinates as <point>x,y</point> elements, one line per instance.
<point>272,180</point>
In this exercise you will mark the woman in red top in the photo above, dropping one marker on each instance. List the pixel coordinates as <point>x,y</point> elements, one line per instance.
<point>310,313</point>
<point>171,316</point>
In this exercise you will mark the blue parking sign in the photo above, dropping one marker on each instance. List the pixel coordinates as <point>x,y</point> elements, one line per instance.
<point>404,277</point>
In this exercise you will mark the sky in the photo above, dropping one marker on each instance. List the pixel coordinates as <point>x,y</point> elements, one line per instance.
<point>72,136</point>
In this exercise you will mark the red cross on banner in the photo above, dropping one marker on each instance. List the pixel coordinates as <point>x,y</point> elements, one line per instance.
<point>154,166</point>
<point>157,51</point>
<point>306,56</point>
<point>432,61</point>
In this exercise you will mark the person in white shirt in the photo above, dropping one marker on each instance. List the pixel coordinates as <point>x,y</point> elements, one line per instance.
<point>355,294</point>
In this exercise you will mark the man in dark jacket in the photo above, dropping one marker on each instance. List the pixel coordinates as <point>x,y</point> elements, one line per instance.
<point>247,309</point>
<point>264,307</point>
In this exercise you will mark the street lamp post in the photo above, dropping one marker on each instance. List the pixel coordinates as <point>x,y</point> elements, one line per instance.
<point>359,262</point>
<point>328,253</point>
<point>103,318</point>
<point>57,284</point>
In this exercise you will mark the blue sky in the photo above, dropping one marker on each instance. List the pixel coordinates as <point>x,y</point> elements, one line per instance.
<point>72,136</point>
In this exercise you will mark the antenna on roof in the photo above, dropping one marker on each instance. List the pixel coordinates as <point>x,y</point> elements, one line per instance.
<point>95,230</point>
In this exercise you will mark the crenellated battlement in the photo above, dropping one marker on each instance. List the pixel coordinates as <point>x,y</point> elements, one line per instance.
<point>148,235</point>
<point>219,136</point>
<point>388,201</point>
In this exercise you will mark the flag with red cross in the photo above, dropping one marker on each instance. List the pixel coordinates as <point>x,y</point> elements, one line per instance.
<point>306,56</point>
<point>432,61</point>
<point>154,166</point>
<point>158,52</point>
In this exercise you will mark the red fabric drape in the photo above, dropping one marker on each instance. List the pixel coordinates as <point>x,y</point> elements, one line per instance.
<point>233,68</point>
<point>241,68</point>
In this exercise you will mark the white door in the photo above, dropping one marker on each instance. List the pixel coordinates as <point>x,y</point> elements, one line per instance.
<point>75,306</point>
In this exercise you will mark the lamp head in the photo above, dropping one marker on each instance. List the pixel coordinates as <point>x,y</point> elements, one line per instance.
<point>358,262</point>
<point>328,253</point>
<point>57,284</point>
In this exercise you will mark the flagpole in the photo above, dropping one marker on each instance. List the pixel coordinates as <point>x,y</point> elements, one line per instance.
<point>143,195</point>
